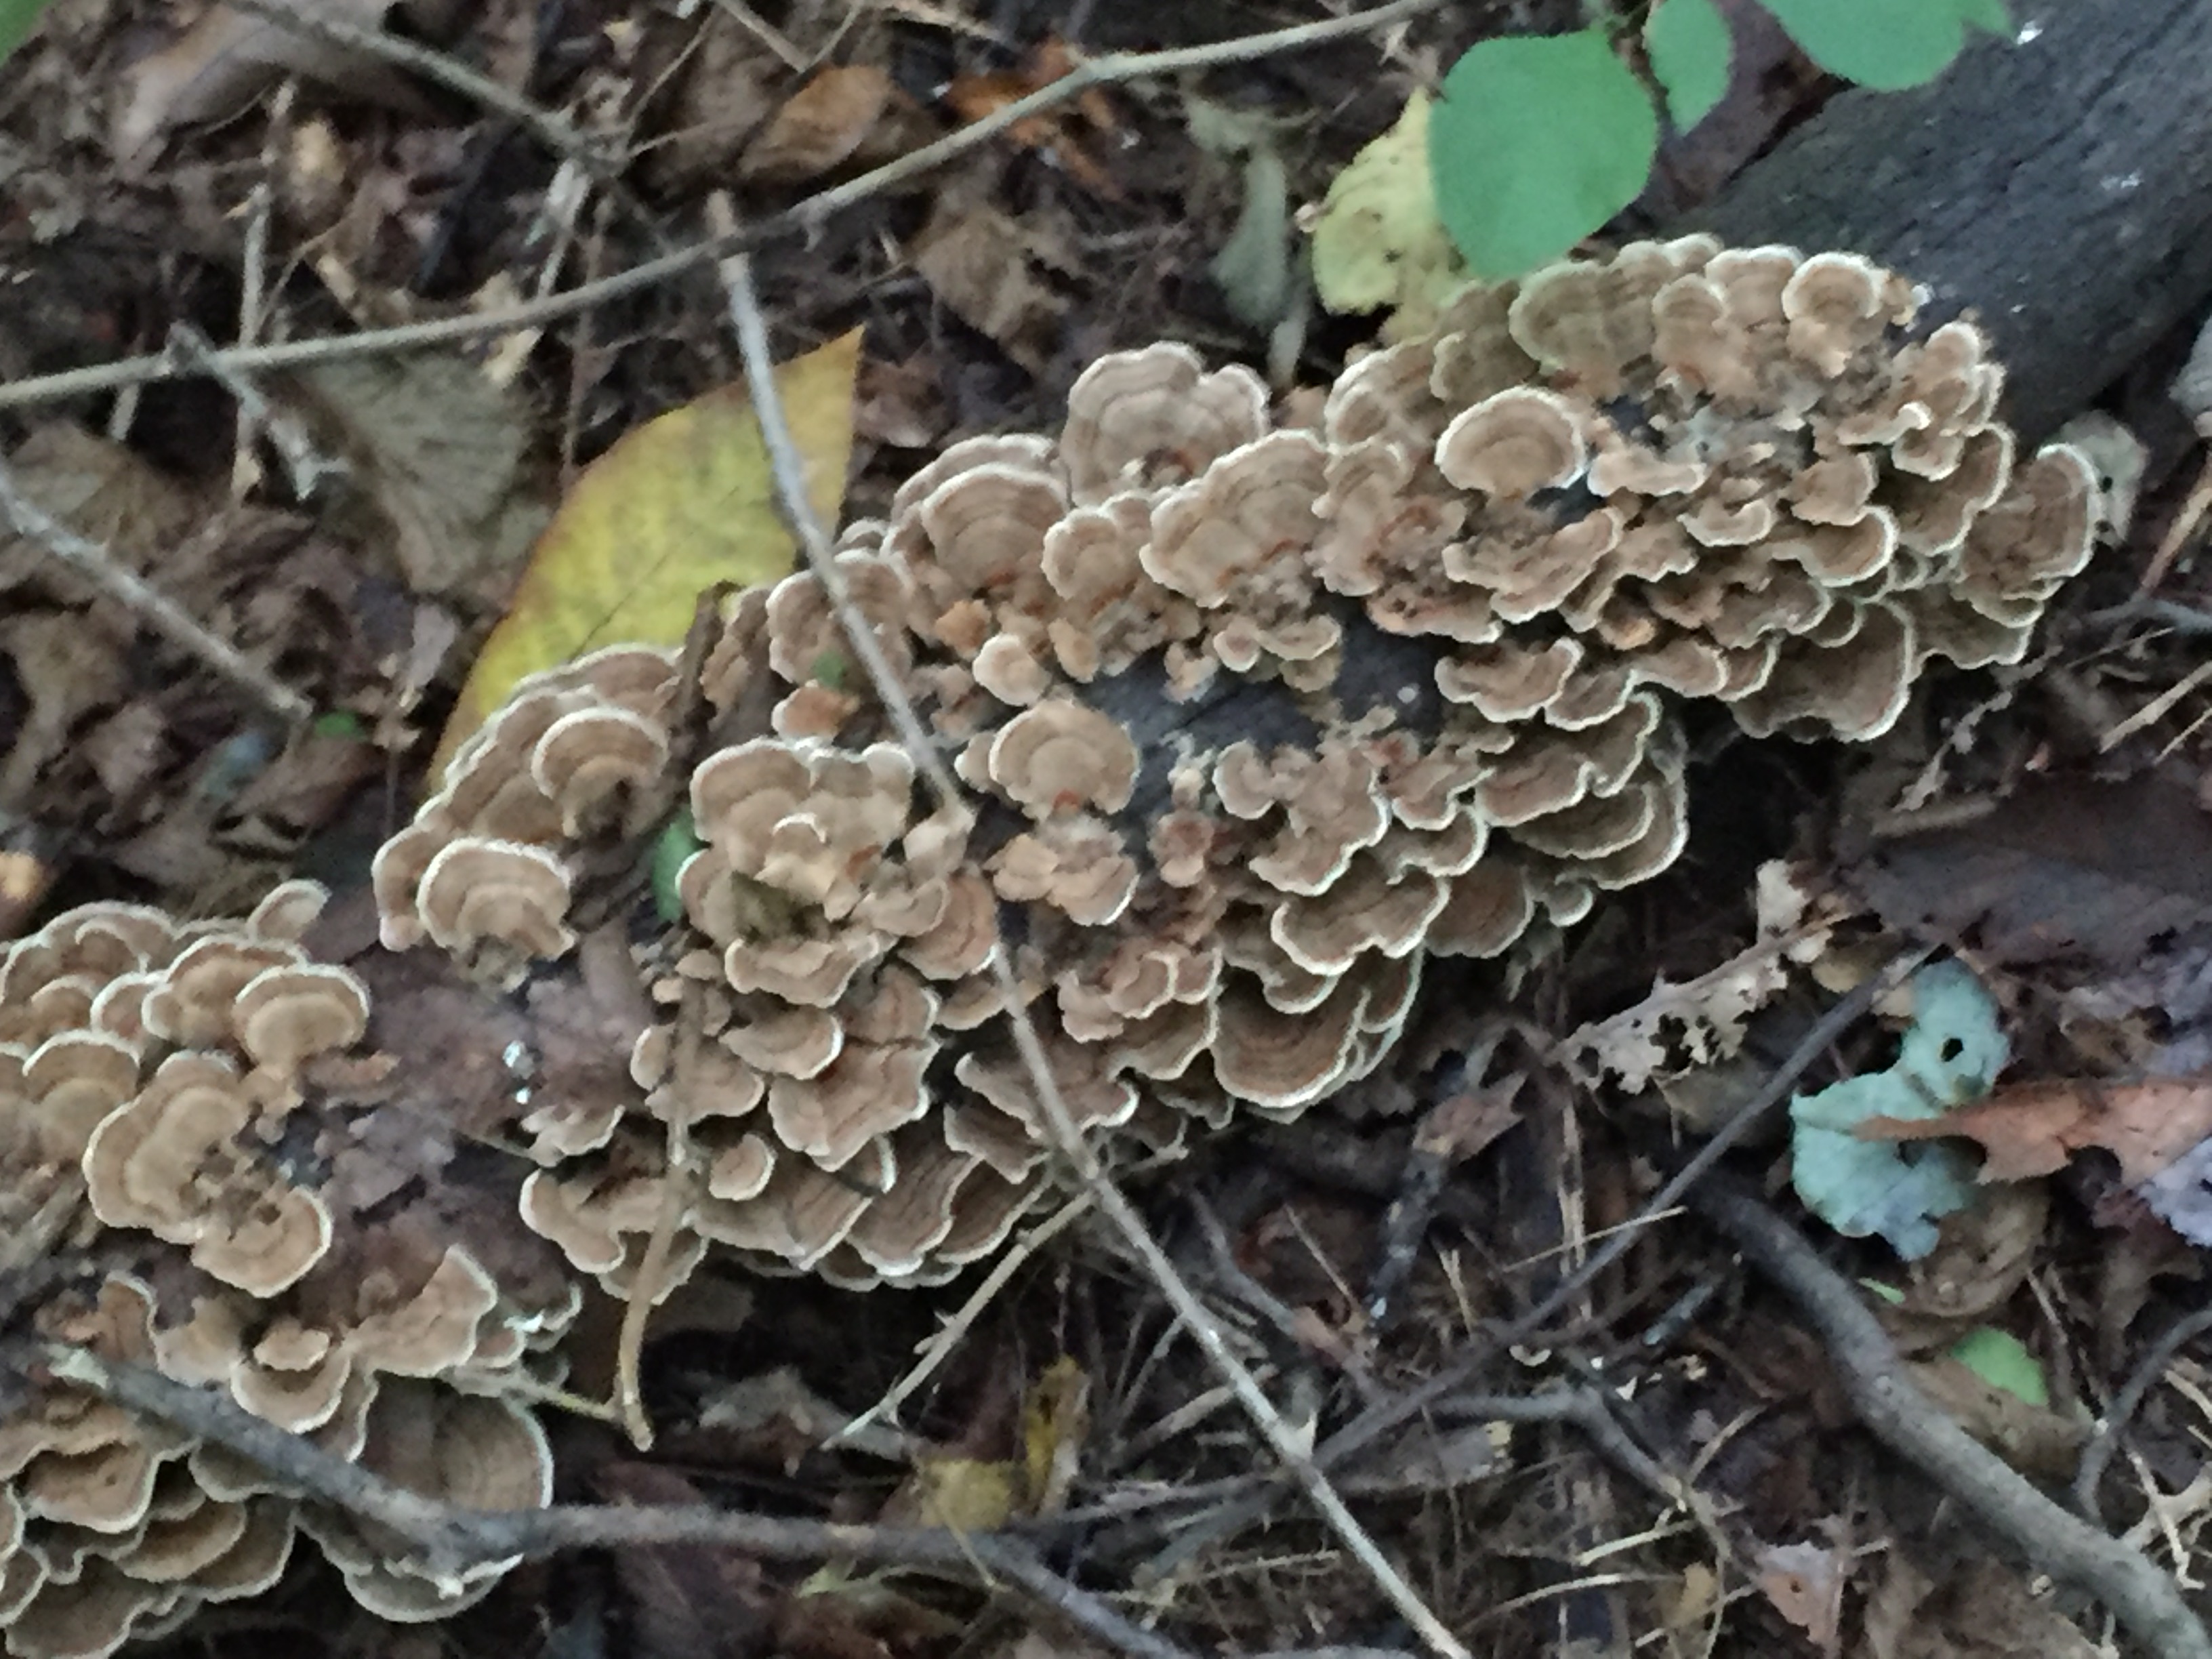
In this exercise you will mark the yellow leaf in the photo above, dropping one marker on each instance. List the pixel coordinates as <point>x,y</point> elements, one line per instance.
<point>1055,1420</point>
<point>964,1493</point>
<point>685,502</point>
<point>1377,241</point>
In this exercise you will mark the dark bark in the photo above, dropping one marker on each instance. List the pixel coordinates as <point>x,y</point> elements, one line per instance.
<point>2060,187</point>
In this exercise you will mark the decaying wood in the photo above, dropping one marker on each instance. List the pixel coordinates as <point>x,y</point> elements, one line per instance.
<point>2059,184</point>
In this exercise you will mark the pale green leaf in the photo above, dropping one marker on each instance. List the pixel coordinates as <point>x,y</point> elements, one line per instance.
<point>1689,43</point>
<point>1377,241</point>
<point>1887,44</point>
<point>1536,142</point>
<point>1952,1053</point>
<point>2002,1360</point>
<point>17,19</point>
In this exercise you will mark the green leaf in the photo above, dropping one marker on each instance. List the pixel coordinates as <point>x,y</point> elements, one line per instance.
<point>1952,1053</point>
<point>1536,142</point>
<point>1887,44</point>
<point>2002,1360</point>
<point>678,842</point>
<point>17,19</point>
<point>339,723</point>
<point>1689,43</point>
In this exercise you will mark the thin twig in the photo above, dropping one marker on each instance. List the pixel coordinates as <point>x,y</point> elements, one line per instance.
<point>2181,618</point>
<point>805,218</point>
<point>2156,709</point>
<point>547,128</point>
<point>789,469</point>
<point>252,281</point>
<point>2143,1598</point>
<point>157,610</point>
<point>939,1347</point>
<point>1493,1338</point>
<point>679,1191</point>
<point>449,1540</point>
<point>2111,1431</point>
<point>303,465</point>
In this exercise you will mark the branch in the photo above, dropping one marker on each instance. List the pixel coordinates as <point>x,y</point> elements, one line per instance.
<point>789,472</point>
<point>803,219</point>
<point>451,1539</point>
<point>2141,1597</point>
<point>156,609</point>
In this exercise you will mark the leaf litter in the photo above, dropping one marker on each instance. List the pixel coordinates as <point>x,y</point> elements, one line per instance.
<point>1067,233</point>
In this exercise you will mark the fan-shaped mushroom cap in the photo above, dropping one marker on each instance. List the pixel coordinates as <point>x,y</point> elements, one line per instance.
<point>498,902</point>
<point>1061,756</point>
<point>1155,415</point>
<point>588,762</point>
<point>1464,604</point>
<point>1514,443</point>
<point>171,1164</point>
<point>285,1016</point>
<point>1839,305</point>
<point>1237,518</point>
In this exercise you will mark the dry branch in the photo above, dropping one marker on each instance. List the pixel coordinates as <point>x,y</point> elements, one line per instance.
<point>2144,1599</point>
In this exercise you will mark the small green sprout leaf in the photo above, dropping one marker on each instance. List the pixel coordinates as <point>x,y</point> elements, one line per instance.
<point>1535,142</point>
<point>17,19</point>
<point>2002,1360</point>
<point>1688,41</point>
<point>678,842</point>
<point>830,669</point>
<point>338,723</point>
<point>1888,44</point>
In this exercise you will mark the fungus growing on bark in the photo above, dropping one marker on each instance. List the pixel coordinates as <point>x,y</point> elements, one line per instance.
<point>1463,608</point>
<point>202,1156</point>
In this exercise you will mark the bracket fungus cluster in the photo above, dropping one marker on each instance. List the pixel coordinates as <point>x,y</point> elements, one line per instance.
<point>180,1108</point>
<point>1252,717</point>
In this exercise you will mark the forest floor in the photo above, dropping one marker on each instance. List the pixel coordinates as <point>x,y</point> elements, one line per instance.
<point>1660,1455</point>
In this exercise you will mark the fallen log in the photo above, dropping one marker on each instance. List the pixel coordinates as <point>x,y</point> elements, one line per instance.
<point>2058,184</point>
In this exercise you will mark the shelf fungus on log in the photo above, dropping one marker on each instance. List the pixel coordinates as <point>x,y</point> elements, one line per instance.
<point>184,1103</point>
<point>1252,718</point>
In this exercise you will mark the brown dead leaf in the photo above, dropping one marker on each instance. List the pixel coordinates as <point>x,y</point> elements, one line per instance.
<point>2063,866</point>
<point>102,491</point>
<point>1464,1122</point>
<point>848,113</point>
<point>729,89</point>
<point>2033,1128</point>
<point>685,1600</point>
<point>68,666</point>
<point>2034,1439</point>
<point>979,262</point>
<point>901,403</point>
<point>1053,134</point>
<point>1805,1582</point>
<point>1982,1256</point>
<point>224,61</point>
<point>436,455</point>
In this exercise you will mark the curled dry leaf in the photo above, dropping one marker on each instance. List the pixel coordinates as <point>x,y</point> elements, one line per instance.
<point>1052,134</point>
<point>2034,1128</point>
<point>1805,1582</point>
<point>849,112</point>
<point>980,262</point>
<point>436,451</point>
<point>225,60</point>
